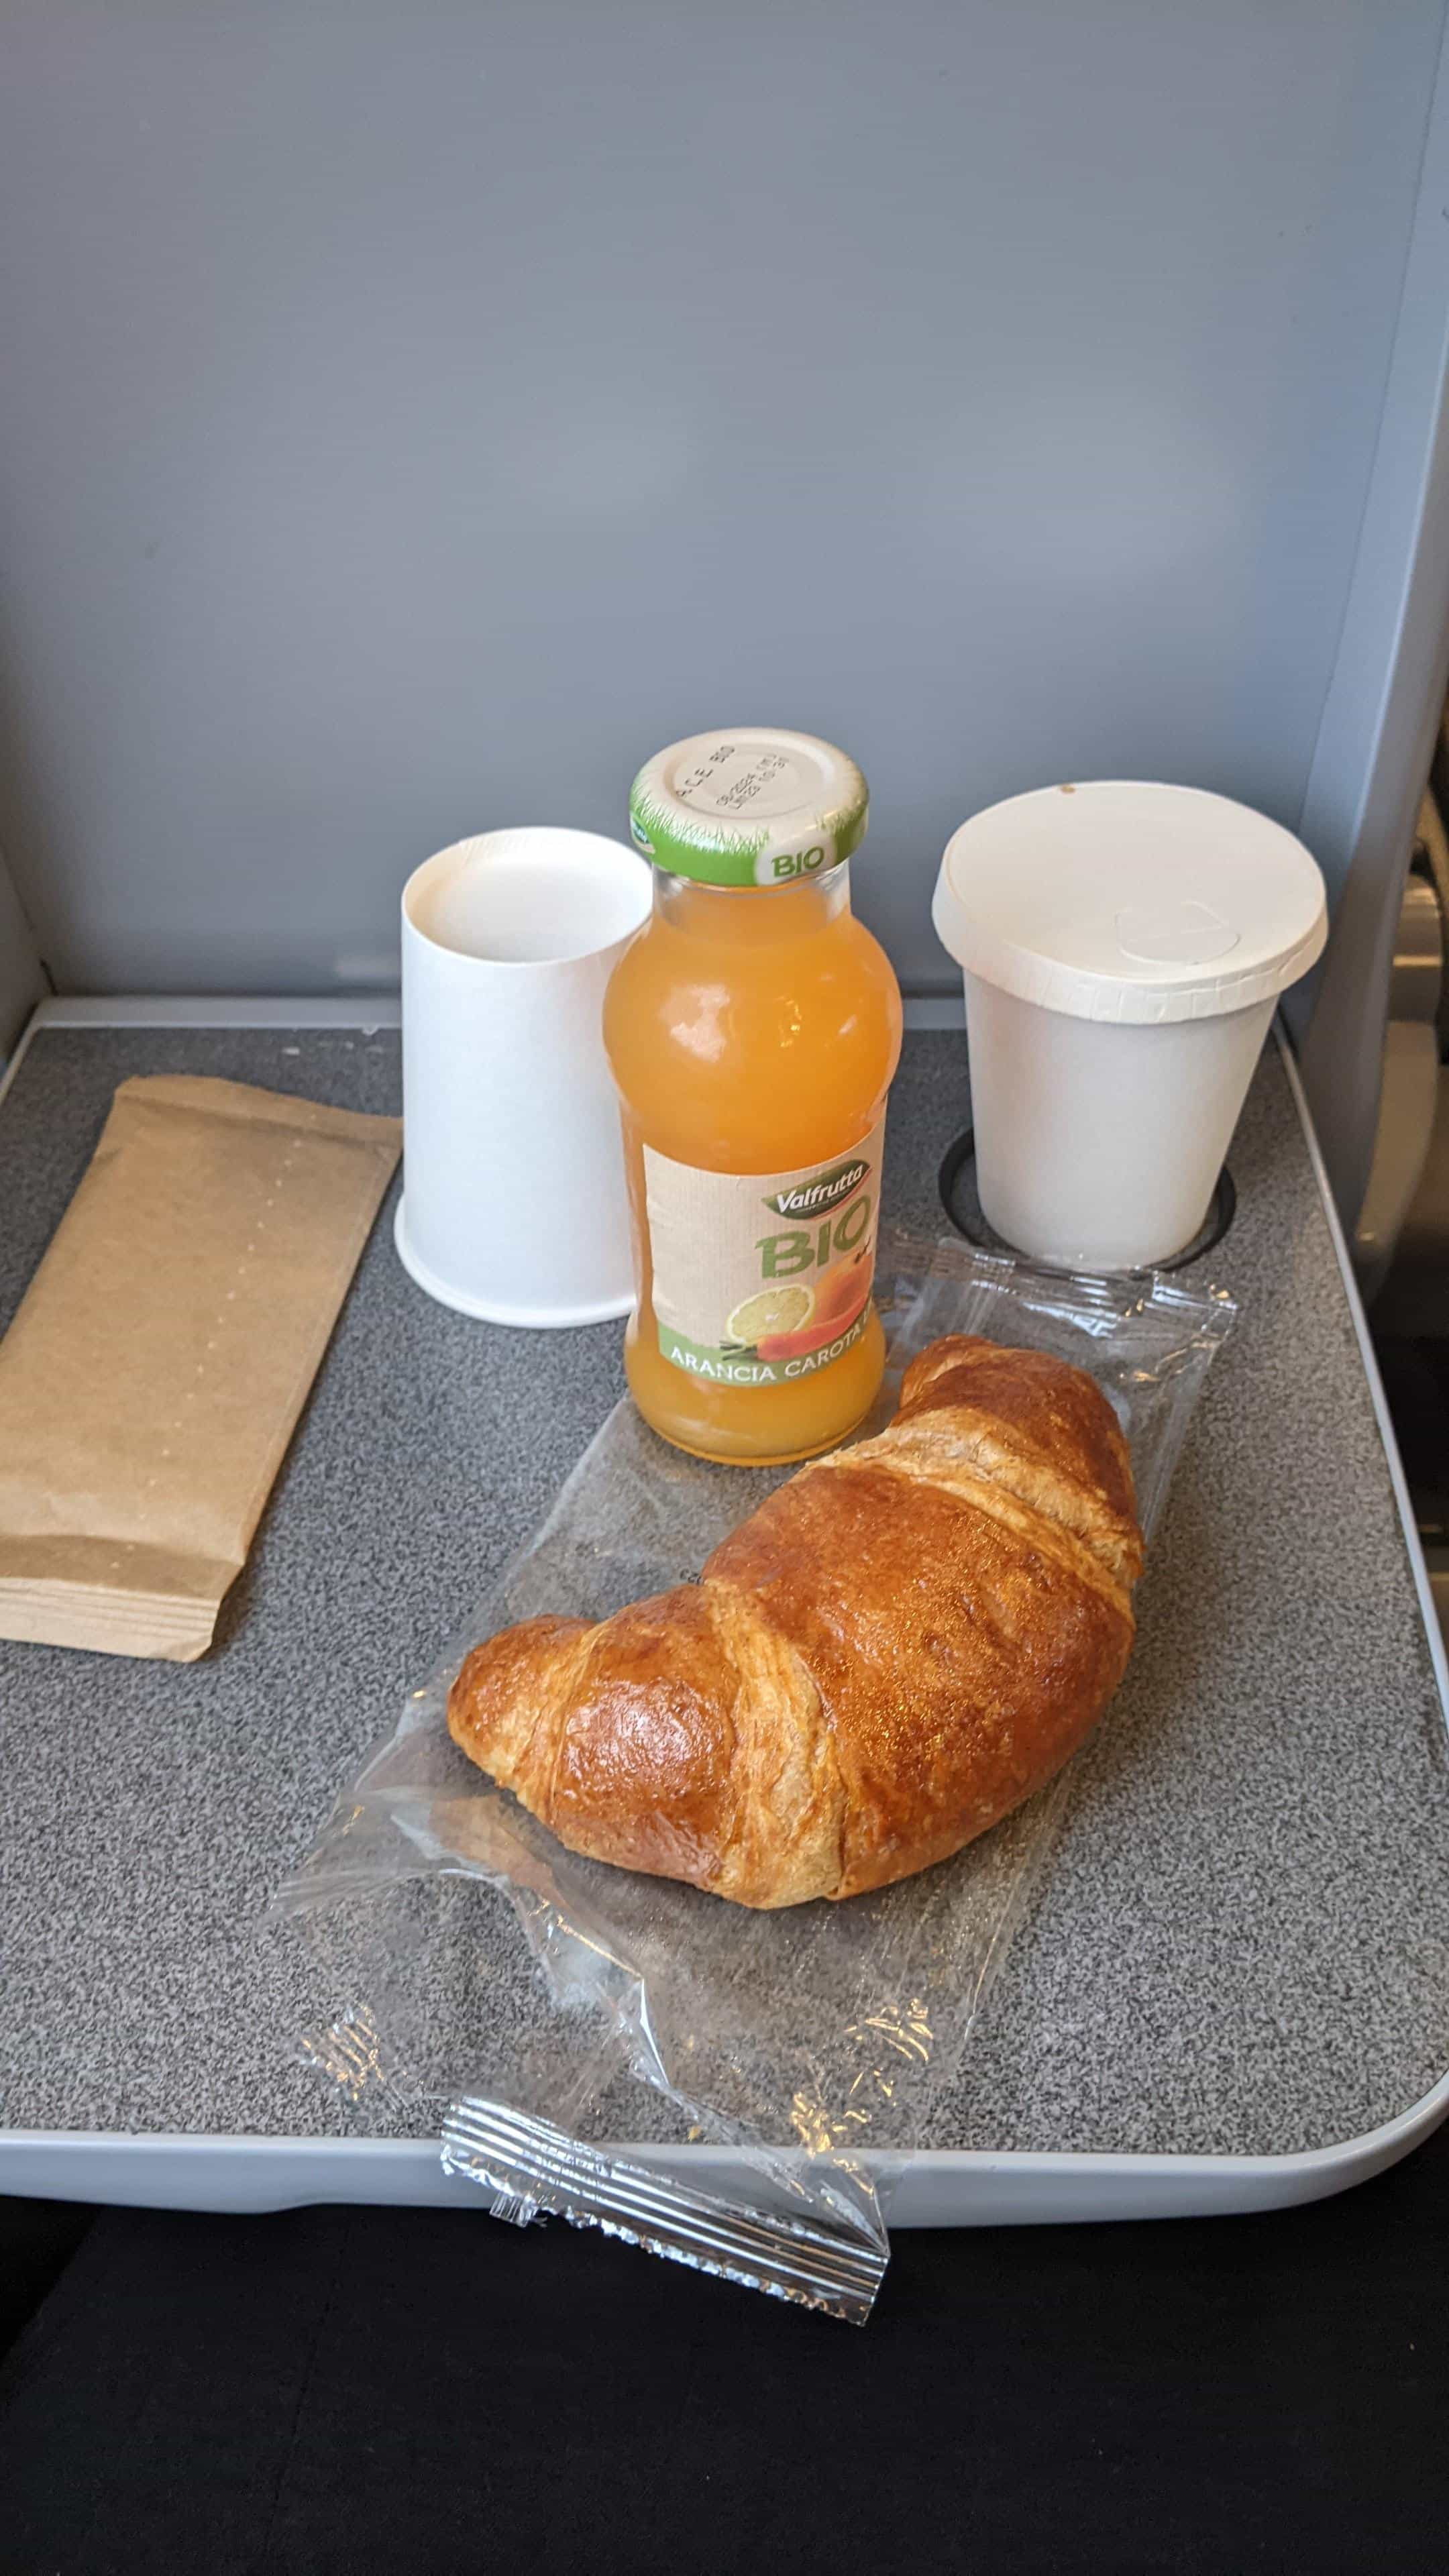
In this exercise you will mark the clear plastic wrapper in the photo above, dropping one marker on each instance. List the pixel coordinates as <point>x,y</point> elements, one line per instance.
<point>534,2008</point>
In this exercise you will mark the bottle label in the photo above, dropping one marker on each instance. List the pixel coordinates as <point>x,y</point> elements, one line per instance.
<point>762,1277</point>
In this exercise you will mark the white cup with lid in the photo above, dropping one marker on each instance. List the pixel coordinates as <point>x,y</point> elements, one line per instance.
<point>515,1206</point>
<point>1123,945</point>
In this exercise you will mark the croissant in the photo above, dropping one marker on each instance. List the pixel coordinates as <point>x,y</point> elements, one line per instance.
<point>901,1644</point>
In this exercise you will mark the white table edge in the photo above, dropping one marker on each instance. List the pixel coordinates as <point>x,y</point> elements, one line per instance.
<point>933,2187</point>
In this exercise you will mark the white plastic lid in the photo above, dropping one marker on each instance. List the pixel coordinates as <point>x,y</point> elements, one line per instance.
<point>1118,899</point>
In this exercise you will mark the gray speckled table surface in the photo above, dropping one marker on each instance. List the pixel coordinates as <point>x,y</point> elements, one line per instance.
<point>1241,1943</point>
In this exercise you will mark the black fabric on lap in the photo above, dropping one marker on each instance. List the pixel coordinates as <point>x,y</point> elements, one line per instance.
<point>331,2391</point>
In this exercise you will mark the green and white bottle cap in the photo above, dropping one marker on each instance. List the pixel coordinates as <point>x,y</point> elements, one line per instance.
<point>748,808</point>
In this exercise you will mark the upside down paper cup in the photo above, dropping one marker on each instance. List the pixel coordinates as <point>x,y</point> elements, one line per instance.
<point>1122,946</point>
<point>514,1206</point>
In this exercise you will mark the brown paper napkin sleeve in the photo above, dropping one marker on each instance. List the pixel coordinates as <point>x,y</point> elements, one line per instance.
<point>154,1372</point>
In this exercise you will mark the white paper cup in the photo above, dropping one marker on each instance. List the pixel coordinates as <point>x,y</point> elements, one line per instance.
<point>1098,1147</point>
<point>515,1207</point>
<point>1122,946</point>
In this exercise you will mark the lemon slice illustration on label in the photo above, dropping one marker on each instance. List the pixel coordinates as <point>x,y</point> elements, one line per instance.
<point>771,1310</point>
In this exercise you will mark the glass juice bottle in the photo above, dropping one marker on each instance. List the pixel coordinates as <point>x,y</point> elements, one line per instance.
<point>753,1028</point>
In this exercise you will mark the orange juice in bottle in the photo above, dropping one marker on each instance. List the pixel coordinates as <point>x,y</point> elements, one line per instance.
<point>753,1028</point>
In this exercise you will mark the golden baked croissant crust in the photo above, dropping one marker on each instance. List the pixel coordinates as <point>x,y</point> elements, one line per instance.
<point>902,1643</point>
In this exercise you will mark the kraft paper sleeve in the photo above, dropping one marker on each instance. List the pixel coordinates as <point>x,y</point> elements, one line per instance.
<point>153,1374</point>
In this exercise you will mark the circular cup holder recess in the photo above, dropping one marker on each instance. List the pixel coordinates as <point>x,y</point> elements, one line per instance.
<point>962,1204</point>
